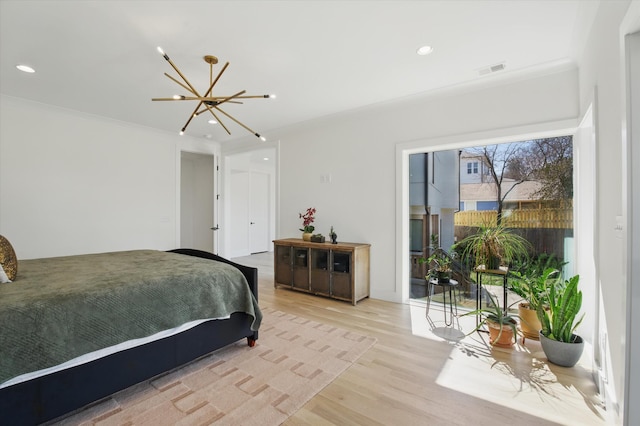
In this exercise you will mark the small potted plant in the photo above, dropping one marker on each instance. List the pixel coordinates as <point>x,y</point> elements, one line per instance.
<point>559,342</point>
<point>502,325</point>
<point>439,266</point>
<point>532,287</point>
<point>307,220</point>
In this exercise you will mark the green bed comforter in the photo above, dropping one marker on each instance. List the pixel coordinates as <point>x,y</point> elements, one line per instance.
<point>60,308</point>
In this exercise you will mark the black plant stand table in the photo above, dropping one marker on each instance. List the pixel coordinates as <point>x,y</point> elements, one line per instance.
<point>480,271</point>
<point>451,286</point>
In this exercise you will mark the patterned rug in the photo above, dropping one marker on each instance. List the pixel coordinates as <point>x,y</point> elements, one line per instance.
<point>294,359</point>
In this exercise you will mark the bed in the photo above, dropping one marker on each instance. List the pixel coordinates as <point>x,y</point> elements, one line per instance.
<point>76,329</point>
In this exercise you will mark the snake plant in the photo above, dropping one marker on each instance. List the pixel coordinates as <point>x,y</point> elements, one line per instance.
<point>564,303</point>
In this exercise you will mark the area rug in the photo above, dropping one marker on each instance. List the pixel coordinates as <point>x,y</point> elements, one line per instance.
<point>294,359</point>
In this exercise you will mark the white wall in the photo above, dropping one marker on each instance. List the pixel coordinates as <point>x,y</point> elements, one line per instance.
<point>74,183</point>
<point>601,71</point>
<point>358,150</point>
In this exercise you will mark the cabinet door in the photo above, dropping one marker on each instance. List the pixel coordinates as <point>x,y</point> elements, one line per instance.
<point>301,268</point>
<point>320,275</point>
<point>341,274</point>
<point>283,264</point>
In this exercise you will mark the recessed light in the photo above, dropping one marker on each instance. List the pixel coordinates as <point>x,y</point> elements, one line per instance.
<point>25,68</point>
<point>424,50</point>
<point>212,121</point>
<point>266,158</point>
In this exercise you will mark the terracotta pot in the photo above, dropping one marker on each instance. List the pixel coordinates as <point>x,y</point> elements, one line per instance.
<point>506,338</point>
<point>306,236</point>
<point>529,322</point>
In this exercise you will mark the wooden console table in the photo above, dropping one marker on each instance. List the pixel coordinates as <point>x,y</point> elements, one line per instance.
<point>339,271</point>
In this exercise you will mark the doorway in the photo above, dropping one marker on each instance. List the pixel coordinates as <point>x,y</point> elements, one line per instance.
<point>197,221</point>
<point>250,202</point>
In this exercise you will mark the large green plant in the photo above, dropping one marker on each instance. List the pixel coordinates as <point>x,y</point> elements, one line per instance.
<point>564,302</point>
<point>492,243</point>
<point>533,286</point>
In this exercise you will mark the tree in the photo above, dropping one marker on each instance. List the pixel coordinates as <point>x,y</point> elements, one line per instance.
<point>548,161</point>
<point>504,161</point>
<point>554,168</point>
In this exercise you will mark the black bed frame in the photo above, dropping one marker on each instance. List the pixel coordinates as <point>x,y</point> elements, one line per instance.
<point>48,397</point>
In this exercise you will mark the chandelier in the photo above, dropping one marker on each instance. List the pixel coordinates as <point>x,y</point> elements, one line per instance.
<point>208,102</point>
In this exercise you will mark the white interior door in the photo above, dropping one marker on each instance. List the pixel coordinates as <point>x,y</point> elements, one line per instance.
<point>259,190</point>
<point>239,197</point>
<point>196,201</point>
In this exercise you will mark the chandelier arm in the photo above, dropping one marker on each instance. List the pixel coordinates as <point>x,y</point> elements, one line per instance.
<point>229,98</point>
<point>174,99</point>
<point>193,114</point>
<point>182,85</point>
<point>238,122</point>
<point>208,108</point>
<point>213,83</point>
<point>197,98</point>
<point>220,121</point>
<point>194,91</point>
<point>255,97</point>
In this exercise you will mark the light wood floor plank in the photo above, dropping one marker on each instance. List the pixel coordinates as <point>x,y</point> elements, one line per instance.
<point>413,377</point>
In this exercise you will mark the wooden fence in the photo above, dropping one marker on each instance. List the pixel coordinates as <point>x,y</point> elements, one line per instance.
<point>533,218</point>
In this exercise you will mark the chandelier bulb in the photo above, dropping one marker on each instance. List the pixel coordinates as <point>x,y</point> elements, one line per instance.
<point>162,53</point>
<point>181,132</point>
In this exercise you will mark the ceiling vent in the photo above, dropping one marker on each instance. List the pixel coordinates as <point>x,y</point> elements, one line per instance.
<point>492,68</point>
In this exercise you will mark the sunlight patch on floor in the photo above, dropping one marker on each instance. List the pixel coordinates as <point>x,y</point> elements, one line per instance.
<point>519,375</point>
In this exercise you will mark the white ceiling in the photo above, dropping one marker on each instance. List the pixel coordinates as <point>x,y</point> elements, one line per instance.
<point>319,57</point>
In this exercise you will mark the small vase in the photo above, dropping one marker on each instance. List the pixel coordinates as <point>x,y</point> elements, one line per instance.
<point>306,236</point>
<point>334,239</point>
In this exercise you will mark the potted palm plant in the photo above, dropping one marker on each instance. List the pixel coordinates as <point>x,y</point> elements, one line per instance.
<point>502,325</point>
<point>492,246</point>
<point>559,342</point>
<point>531,287</point>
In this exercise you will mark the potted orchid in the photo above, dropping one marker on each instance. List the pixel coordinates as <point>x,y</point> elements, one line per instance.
<point>307,220</point>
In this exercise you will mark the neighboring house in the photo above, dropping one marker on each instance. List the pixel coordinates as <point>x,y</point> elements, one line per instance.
<point>483,196</point>
<point>433,200</point>
<point>472,168</point>
<point>479,192</point>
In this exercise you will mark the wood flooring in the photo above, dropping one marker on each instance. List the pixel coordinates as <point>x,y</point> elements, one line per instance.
<point>414,376</point>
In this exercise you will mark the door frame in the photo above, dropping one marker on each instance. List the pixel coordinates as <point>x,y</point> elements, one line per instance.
<point>401,292</point>
<point>274,208</point>
<point>216,189</point>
